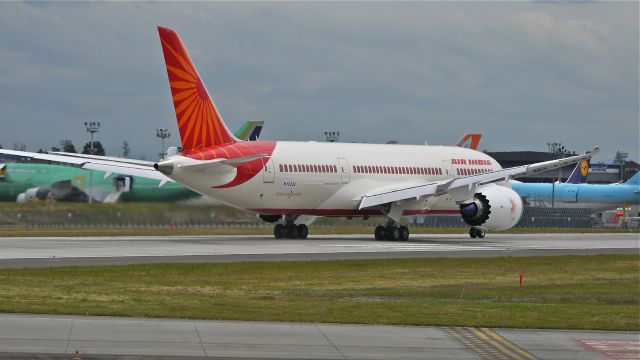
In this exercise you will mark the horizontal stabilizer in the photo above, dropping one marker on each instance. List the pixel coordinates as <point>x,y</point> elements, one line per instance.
<point>208,165</point>
<point>93,162</point>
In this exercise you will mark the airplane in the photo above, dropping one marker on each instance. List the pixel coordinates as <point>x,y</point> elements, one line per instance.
<point>31,181</point>
<point>250,130</point>
<point>471,141</point>
<point>579,173</point>
<point>574,193</point>
<point>283,181</point>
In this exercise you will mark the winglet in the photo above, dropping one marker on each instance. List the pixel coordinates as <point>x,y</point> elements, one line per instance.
<point>593,151</point>
<point>199,122</point>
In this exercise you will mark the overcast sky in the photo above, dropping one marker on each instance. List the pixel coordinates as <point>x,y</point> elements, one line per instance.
<point>523,74</point>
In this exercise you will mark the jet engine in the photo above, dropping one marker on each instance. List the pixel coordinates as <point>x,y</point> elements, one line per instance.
<point>492,207</point>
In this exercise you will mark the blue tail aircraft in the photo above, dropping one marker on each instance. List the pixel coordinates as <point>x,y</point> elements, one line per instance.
<point>575,193</point>
<point>579,174</point>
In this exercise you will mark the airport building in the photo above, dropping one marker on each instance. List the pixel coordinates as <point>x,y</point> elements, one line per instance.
<point>599,173</point>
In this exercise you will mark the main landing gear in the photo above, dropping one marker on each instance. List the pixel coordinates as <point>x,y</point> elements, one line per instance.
<point>392,233</point>
<point>290,230</point>
<point>476,233</point>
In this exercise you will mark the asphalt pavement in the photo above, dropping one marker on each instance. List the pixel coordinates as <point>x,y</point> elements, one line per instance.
<point>20,252</point>
<point>59,337</point>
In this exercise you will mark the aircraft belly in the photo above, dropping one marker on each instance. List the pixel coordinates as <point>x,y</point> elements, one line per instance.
<point>316,197</point>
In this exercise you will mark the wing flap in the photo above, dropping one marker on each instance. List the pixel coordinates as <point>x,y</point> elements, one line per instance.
<point>402,192</point>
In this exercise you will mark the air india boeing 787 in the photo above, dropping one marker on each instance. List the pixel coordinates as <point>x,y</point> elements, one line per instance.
<point>281,180</point>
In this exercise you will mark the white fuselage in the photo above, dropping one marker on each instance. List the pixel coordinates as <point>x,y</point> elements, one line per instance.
<point>329,179</point>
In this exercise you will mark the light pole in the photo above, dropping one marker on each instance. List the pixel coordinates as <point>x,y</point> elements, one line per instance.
<point>92,127</point>
<point>162,133</point>
<point>332,136</point>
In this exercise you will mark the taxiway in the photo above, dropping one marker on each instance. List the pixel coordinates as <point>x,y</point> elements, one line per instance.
<point>55,337</point>
<point>62,251</point>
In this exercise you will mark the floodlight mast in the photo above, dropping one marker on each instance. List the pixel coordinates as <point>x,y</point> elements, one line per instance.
<point>162,133</point>
<point>91,127</point>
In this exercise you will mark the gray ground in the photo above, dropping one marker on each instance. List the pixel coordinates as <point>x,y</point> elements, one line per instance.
<point>56,337</point>
<point>52,251</point>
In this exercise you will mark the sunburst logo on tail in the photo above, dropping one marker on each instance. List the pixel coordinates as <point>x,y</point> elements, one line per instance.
<point>584,167</point>
<point>199,122</point>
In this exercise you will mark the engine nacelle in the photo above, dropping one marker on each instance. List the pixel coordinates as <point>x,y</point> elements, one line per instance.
<point>493,207</point>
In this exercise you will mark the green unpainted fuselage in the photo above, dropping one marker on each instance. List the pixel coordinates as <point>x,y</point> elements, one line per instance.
<point>16,178</point>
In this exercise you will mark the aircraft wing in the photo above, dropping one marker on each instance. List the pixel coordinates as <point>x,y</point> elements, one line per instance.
<point>103,163</point>
<point>461,188</point>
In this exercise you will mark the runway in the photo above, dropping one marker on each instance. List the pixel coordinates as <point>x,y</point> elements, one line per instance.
<point>56,337</point>
<point>63,251</point>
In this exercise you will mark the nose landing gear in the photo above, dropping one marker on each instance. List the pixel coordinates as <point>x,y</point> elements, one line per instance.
<point>476,233</point>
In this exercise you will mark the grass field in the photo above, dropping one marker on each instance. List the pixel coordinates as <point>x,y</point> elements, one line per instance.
<point>572,292</point>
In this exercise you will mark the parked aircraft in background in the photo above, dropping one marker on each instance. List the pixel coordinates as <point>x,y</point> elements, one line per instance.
<point>28,181</point>
<point>470,141</point>
<point>579,173</point>
<point>34,181</point>
<point>575,194</point>
<point>250,130</point>
<point>283,180</point>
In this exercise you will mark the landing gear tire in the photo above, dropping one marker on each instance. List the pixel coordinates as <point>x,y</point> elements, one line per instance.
<point>303,231</point>
<point>404,233</point>
<point>476,233</point>
<point>279,231</point>
<point>291,231</point>
<point>379,233</point>
<point>392,232</point>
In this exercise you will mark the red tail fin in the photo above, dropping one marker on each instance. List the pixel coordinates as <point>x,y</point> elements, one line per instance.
<point>199,122</point>
<point>470,141</point>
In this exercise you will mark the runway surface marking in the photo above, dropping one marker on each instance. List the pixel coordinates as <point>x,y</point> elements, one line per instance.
<point>616,349</point>
<point>487,344</point>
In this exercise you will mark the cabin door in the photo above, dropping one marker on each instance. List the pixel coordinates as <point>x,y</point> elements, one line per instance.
<point>344,170</point>
<point>268,172</point>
